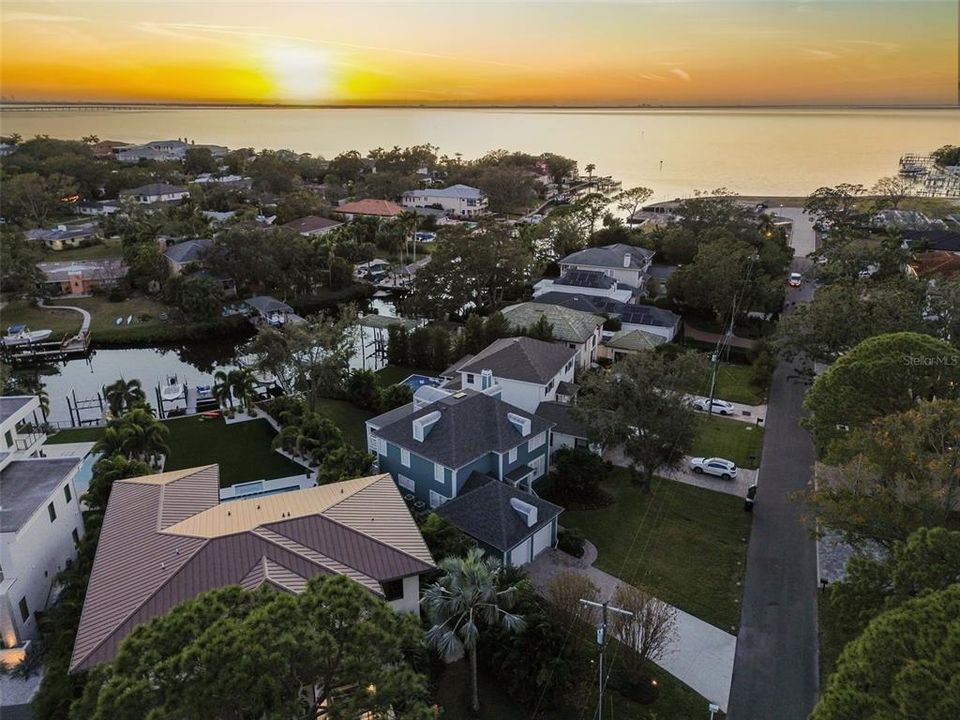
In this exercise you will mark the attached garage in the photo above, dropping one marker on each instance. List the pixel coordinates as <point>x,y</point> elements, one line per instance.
<point>542,539</point>
<point>520,555</point>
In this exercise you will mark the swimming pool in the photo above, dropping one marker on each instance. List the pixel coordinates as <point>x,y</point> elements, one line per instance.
<point>414,382</point>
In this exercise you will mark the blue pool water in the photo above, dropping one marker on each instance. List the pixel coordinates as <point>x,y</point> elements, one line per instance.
<point>418,381</point>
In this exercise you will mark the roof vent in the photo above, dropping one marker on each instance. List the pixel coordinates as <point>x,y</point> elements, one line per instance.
<point>527,511</point>
<point>626,260</point>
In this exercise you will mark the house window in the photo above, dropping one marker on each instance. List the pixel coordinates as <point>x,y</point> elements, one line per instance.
<point>66,493</point>
<point>392,590</point>
<point>52,511</point>
<point>581,443</point>
<point>548,388</point>
<point>572,346</point>
<point>512,456</point>
<point>406,483</point>
<point>469,378</point>
<point>536,442</point>
<point>381,446</point>
<point>8,438</point>
<point>438,473</point>
<point>436,499</point>
<point>569,366</point>
<point>76,536</point>
<point>405,457</point>
<point>24,610</point>
<point>552,436</point>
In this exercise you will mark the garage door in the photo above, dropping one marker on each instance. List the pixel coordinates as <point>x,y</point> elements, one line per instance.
<point>520,555</point>
<point>541,540</point>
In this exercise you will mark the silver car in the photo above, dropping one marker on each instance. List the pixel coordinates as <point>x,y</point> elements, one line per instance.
<point>721,407</point>
<point>724,469</point>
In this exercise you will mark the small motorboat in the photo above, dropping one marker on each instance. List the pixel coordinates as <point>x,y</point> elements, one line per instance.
<point>118,321</point>
<point>172,390</point>
<point>129,319</point>
<point>20,334</point>
<point>204,392</point>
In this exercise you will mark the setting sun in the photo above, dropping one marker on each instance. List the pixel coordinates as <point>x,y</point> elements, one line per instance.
<point>299,73</point>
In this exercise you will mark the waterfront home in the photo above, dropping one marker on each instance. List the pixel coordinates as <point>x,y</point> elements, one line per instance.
<point>627,264</point>
<point>166,538</point>
<point>186,254</point>
<point>40,522</point>
<point>162,151</point>
<point>156,193</point>
<point>456,200</point>
<point>268,310</point>
<point>312,225</point>
<point>632,316</point>
<point>586,282</point>
<point>431,446</point>
<point>580,331</point>
<point>81,277</point>
<point>66,236</point>
<point>508,524</point>
<point>372,269</point>
<point>383,209</point>
<point>527,371</point>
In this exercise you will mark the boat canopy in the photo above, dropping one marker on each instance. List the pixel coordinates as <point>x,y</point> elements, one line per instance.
<point>16,329</point>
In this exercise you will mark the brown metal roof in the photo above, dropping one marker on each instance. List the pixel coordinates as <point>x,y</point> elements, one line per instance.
<point>165,539</point>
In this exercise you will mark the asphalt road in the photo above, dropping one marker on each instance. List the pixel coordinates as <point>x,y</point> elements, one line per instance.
<point>775,673</point>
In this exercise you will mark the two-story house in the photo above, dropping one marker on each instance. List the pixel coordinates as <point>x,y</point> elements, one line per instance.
<point>40,522</point>
<point>627,264</point>
<point>632,316</point>
<point>431,448</point>
<point>456,200</point>
<point>575,329</point>
<point>527,371</point>
<point>586,282</point>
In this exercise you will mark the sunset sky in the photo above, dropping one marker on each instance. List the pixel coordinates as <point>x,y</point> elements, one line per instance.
<point>662,52</point>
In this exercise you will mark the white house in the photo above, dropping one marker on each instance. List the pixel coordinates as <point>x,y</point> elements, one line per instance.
<point>527,371</point>
<point>40,522</point>
<point>627,264</point>
<point>456,200</point>
<point>66,236</point>
<point>156,192</point>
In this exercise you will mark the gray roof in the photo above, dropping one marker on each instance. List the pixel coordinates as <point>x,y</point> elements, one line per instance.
<point>521,358</point>
<point>611,256</point>
<point>105,269</point>
<point>568,325</point>
<point>469,427</point>
<point>485,514</point>
<point>586,278</point>
<point>635,340</point>
<point>266,304</point>
<point>559,414</point>
<point>70,231</point>
<point>11,404</point>
<point>454,191</point>
<point>25,486</point>
<point>155,189</point>
<point>630,313</point>
<point>312,223</point>
<point>188,251</point>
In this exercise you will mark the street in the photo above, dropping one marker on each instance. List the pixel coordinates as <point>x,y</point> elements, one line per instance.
<point>776,668</point>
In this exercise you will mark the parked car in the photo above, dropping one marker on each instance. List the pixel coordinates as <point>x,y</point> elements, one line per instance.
<point>721,407</point>
<point>725,469</point>
<point>750,498</point>
<point>796,279</point>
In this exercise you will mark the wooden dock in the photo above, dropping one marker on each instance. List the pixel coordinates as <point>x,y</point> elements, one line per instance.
<point>70,346</point>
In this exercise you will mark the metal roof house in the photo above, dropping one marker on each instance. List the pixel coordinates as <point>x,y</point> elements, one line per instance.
<point>633,316</point>
<point>166,538</point>
<point>578,330</point>
<point>271,311</point>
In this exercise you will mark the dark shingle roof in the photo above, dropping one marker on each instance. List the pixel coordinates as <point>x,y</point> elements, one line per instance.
<point>188,251</point>
<point>587,279</point>
<point>11,404</point>
<point>559,414</point>
<point>154,189</point>
<point>485,514</point>
<point>521,358</point>
<point>633,314</point>
<point>469,427</point>
<point>611,256</point>
<point>932,239</point>
<point>265,304</point>
<point>25,485</point>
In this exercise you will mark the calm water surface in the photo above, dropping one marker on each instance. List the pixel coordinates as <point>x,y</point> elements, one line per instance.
<point>771,152</point>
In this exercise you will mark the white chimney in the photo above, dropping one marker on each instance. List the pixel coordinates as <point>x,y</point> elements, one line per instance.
<point>527,511</point>
<point>486,379</point>
<point>626,260</point>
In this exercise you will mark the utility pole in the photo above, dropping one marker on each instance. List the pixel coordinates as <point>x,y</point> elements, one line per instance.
<point>601,641</point>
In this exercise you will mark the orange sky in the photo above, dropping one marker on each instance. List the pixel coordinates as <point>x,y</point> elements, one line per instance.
<point>578,53</point>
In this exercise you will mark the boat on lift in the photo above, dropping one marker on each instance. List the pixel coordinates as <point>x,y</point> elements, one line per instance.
<point>173,389</point>
<point>20,334</point>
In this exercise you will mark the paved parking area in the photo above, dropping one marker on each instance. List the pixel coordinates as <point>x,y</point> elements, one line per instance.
<point>742,412</point>
<point>738,486</point>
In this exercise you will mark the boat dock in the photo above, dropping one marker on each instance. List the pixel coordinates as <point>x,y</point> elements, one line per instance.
<point>70,346</point>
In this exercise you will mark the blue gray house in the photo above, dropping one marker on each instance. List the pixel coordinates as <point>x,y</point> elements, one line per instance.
<point>431,448</point>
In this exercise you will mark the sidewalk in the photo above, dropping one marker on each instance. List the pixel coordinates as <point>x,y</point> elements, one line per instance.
<point>699,654</point>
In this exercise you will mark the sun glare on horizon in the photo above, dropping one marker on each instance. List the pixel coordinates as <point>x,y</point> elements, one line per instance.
<point>300,73</point>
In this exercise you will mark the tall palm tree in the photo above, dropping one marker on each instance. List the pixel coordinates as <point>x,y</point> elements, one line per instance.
<point>590,168</point>
<point>409,222</point>
<point>467,595</point>
<point>123,395</point>
<point>136,434</point>
<point>244,387</point>
<point>222,389</point>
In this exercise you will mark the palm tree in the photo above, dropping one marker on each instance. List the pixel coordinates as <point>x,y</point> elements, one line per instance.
<point>123,395</point>
<point>244,387</point>
<point>137,434</point>
<point>590,168</point>
<point>222,389</point>
<point>466,596</point>
<point>409,222</point>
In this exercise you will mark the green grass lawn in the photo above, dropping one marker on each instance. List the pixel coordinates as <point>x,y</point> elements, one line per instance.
<point>103,314</point>
<point>24,311</point>
<point>242,450</point>
<point>392,374</point>
<point>733,385</point>
<point>349,418</point>
<point>730,439</point>
<point>686,544</point>
<point>97,251</point>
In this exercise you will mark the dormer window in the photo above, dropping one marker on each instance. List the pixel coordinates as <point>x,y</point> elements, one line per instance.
<point>470,379</point>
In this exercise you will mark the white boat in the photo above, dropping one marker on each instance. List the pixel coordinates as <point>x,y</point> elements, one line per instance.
<point>118,321</point>
<point>129,319</point>
<point>21,335</point>
<point>172,389</point>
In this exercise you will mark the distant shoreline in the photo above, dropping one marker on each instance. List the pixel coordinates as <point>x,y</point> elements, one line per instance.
<point>42,105</point>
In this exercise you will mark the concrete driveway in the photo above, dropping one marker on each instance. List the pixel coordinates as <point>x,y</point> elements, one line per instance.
<point>741,411</point>
<point>738,486</point>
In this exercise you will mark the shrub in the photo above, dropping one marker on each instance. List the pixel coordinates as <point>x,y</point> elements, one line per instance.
<point>578,474</point>
<point>571,541</point>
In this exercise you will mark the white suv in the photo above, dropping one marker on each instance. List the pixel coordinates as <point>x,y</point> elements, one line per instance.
<point>724,469</point>
<point>721,407</point>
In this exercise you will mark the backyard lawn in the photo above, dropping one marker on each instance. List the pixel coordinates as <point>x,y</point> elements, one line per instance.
<point>103,314</point>
<point>733,385</point>
<point>349,418</point>
<point>97,251</point>
<point>686,544</point>
<point>242,450</point>
<point>730,439</point>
